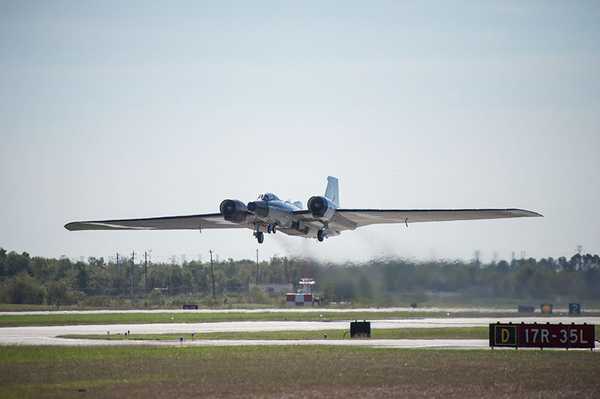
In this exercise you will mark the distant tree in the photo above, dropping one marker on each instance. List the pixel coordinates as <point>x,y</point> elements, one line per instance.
<point>57,293</point>
<point>60,281</point>
<point>503,266</point>
<point>61,268</point>
<point>575,262</point>
<point>16,263</point>
<point>23,289</point>
<point>2,262</point>
<point>364,287</point>
<point>344,290</point>
<point>41,268</point>
<point>82,276</point>
<point>256,295</point>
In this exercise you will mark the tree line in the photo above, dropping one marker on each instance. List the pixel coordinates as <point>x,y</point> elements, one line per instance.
<point>26,279</point>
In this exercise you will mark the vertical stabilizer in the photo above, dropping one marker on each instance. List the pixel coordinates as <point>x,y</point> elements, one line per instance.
<point>332,192</point>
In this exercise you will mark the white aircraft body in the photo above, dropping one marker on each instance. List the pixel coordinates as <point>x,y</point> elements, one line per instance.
<point>323,219</point>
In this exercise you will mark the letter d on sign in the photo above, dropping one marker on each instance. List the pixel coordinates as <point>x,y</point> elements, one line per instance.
<point>504,336</point>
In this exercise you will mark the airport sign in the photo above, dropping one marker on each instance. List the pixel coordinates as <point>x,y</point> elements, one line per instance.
<point>542,335</point>
<point>574,309</point>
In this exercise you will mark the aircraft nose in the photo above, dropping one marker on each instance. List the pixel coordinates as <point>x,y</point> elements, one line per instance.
<point>259,208</point>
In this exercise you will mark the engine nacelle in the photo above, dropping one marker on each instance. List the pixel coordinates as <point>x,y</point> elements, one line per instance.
<point>321,208</point>
<point>234,210</point>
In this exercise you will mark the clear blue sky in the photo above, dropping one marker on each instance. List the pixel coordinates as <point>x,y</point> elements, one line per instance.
<point>132,109</point>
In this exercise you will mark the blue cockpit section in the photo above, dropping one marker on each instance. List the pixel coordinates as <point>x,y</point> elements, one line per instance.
<point>268,197</point>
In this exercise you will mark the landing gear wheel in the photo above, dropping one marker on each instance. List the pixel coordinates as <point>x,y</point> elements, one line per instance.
<point>269,229</point>
<point>320,235</point>
<point>274,229</point>
<point>260,237</point>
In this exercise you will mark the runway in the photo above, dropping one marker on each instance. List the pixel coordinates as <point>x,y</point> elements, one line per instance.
<point>47,335</point>
<point>482,310</point>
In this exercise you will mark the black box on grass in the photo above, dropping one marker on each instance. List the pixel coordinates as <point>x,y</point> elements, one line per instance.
<point>360,329</point>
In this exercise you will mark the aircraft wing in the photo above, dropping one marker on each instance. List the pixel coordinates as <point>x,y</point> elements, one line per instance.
<point>350,219</point>
<point>190,222</point>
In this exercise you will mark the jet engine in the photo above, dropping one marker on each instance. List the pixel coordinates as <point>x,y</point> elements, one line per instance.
<point>321,208</point>
<point>259,208</point>
<point>233,210</point>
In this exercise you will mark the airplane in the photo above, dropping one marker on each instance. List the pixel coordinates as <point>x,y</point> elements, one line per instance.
<point>323,218</point>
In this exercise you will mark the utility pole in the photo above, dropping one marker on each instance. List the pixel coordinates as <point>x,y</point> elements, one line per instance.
<point>132,272</point>
<point>145,271</point>
<point>257,267</point>
<point>212,274</point>
<point>117,267</point>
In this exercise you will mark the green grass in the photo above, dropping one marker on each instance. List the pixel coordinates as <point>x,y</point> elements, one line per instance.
<point>392,333</point>
<point>127,305</point>
<point>196,317</point>
<point>337,372</point>
<point>54,319</point>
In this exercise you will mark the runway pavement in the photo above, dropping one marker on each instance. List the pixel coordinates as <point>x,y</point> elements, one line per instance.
<point>47,335</point>
<point>269,310</point>
<point>450,310</point>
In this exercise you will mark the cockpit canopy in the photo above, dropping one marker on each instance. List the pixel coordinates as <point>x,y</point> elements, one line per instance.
<point>268,197</point>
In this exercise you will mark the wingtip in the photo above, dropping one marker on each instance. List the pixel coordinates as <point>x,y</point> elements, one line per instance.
<point>535,214</point>
<point>527,213</point>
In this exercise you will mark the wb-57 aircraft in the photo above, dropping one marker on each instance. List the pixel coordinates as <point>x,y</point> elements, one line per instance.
<point>323,219</point>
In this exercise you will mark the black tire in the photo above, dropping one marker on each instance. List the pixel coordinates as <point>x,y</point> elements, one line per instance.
<point>260,237</point>
<point>274,229</point>
<point>320,236</point>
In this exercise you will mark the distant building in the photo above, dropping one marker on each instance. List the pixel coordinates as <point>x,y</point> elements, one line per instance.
<point>304,295</point>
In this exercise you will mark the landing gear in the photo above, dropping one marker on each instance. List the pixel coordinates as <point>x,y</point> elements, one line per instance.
<point>321,235</point>
<point>260,236</point>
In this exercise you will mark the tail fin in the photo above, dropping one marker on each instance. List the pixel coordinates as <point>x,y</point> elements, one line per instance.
<point>333,191</point>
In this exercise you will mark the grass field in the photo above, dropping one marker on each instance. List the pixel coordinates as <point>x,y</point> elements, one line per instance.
<point>391,333</point>
<point>54,319</point>
<point>14,320</point>
<point>384,333</point>
<point>187,372</point>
